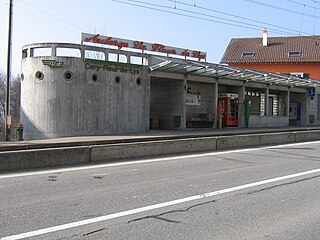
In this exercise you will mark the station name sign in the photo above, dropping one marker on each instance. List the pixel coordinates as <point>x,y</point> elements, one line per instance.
<point>140,45</point>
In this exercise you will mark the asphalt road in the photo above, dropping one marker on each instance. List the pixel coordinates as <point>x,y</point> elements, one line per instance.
<point>266,193</point>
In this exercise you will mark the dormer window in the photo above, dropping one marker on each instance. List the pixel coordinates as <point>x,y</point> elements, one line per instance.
<point>295,54</point>
<point>248,55</point>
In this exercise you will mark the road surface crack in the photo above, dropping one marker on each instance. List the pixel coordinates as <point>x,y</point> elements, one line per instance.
<point>297,155</point>
<point>161,215</point>
<point>94,231</point>
<point>283,184</point>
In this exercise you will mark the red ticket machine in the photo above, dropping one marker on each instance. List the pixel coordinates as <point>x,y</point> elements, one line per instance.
<point>228,103</point>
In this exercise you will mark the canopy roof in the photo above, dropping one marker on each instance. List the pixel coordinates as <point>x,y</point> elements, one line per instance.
<point>228,72</point>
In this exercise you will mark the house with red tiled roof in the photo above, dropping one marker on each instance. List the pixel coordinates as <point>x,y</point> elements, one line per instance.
<point>299,55</point>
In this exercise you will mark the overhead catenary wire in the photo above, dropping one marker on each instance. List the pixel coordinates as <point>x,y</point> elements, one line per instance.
<point>281,8</point>
<point>243,18</point>
<point>45,19</point>
<point>180,14</point>
<point>303,4</point>
<point>221,18</point>
<point>65,16</point>
<point>204,17</point>
<point>304,8</point>
<point>48,16</point>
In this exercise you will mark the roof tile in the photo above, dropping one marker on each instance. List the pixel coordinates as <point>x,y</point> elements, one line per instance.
<point>276,51</point>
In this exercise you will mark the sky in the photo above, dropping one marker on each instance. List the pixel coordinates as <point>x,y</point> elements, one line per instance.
<point>205,25</point>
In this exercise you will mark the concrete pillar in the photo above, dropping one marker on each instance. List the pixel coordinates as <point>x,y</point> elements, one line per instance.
<point>267,102</point>
<point>288,104</point>
<point>82,53</point>
<point>215,105</point>
<point>307,106</point>
<point>31,52</point>
<point>53,50</point>
<point>241,115</point>
<point>184,105</point>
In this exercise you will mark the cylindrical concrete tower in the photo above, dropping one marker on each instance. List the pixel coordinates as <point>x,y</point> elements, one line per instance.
<point>98,92</point>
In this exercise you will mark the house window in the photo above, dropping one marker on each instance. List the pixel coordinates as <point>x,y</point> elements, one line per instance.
<point>300,74</point>
<point>306,75</point>
<point>295,54</point>
<point>248,55</point>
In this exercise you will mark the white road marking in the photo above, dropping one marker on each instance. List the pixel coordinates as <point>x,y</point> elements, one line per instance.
<point>72,169</point>
<point>213,180</point>
<point>100,174</point>
<point>105,174</point>
<point>153,207</point>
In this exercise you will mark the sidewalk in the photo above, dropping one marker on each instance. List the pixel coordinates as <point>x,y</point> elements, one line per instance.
<point>153,135</point>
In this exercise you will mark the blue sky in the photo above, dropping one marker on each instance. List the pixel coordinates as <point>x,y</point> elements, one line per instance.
<point>206,25</point>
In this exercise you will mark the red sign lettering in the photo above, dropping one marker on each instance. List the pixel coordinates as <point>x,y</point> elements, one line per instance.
<point>185,53</point>
<point>108,41</point>
<point>198,54</point>
<point>139,45</point>
<point>161,48</point>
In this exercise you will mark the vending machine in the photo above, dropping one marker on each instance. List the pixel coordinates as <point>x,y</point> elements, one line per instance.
<point>228,106</point>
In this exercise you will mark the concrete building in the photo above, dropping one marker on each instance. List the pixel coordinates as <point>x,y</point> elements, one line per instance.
<point>70,96</point>
<point>76,89</point>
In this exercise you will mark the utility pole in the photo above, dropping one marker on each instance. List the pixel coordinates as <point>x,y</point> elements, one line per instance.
<point>7,115</point>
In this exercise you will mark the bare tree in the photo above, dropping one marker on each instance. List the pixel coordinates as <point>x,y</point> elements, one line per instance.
<point>2,100</point>
<point>15,86</point>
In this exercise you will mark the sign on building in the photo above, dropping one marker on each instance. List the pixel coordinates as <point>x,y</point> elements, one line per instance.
<point>141,45</point>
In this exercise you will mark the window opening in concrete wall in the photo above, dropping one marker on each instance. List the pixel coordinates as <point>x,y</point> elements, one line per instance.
<point>112,57</point>
<point>117,79</point>
<point>136,60</point>
<point>94,77</point>
<point>39,75</point>
<point>139,81</point>
<point>254,96</point>
<point>274,104</point>
<point>68,75</point>
<point>123,58</point>
<point>96,55</point>
<point>145,61</point>
<point>41,52</point>
<point>262,104</point>
<point>24,53</point>
<point>68,52</point>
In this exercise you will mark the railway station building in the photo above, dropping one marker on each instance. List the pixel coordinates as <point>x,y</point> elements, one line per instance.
<point>124,86</point>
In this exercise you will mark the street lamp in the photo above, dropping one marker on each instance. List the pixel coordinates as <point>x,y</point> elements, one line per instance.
<point>7,112</point>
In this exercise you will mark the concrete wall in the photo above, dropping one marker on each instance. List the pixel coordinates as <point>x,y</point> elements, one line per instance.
<point>207,98</point>
<point>100,97</point>
<point>283,105</point>
<point>167,104</point>
<point>268,121</point>
<point>43,158</point>
<point>26,159</point>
